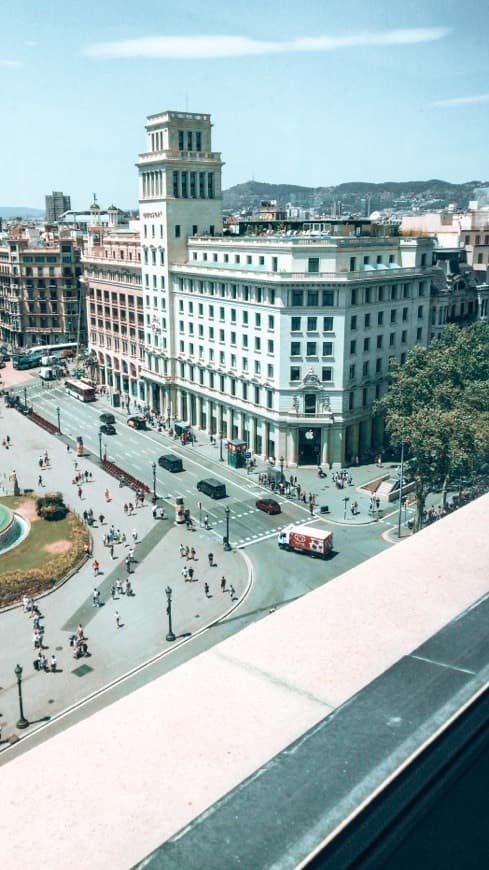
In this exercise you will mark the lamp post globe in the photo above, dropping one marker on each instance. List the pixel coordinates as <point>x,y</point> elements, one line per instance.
<point>22,721</point>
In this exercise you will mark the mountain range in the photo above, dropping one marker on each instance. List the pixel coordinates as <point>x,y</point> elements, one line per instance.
<point>353,195</point>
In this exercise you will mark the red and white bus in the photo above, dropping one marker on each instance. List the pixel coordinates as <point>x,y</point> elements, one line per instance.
<point>80,389</point>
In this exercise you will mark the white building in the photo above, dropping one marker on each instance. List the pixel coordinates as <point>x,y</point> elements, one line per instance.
<point>283,341</point>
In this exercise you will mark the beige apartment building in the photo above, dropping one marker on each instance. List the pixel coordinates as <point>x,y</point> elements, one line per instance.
<point>112,276</point>
<point>41,297</point>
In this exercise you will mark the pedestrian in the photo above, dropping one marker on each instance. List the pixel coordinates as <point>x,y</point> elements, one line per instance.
<point>86,475</point>
<point>128,564</point>
<point>80,492</point>
<point>111,551</point>
<point>128,587</point>
<point>96,567</point>
<point>67,448</point>
<point>85,516</point>
<point>125,508</point>
<point>154,511</point>
<point>53,663</point>
<point>206,521</point>
<point>192,553</point>
<point>190,574</point>
<point>107,496</point>
<point>79,631</point>
<point>211,559</point>
<point>232,592</point>
<point>25,602</point>
<point>118,586</point>
<point>95,597</point>
<point>185,573</point>
<point>39,480</point>
<point>101,519</point>
<point>41,462</point>
<point>206,589</point>
<point>223,583</point>
<point>112,590</point>
<point>117,619</point>
<point>311,508</point>
<point>134,535</point>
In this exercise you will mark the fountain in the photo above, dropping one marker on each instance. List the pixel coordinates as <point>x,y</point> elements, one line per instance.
<point>13,528</point>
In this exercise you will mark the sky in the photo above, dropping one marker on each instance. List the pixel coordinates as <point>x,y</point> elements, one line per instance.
<point>313,93</point>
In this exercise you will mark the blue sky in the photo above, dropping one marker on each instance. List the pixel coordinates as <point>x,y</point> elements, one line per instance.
<point>312,93</point>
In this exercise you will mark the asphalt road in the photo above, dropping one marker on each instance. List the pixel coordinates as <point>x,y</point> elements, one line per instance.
<point>281,574</point>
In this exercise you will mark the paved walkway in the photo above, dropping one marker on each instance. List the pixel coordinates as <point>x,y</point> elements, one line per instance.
<point>143,617</point>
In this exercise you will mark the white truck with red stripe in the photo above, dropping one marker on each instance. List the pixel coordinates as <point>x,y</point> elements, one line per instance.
<point>306,539</point>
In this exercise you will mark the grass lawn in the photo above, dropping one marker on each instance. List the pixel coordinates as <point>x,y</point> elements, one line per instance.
<point>30,568</point>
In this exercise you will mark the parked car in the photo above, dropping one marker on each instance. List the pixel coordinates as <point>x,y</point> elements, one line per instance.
<point>107,418</point>
<point>268,505</point>
<point>170,462</point>
<point>108,429</point>
<point>136,422</point>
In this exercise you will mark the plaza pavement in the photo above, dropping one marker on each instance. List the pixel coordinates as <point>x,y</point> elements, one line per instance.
<point>144,622</point>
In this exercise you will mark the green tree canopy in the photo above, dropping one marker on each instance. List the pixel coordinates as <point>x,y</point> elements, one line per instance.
<point>437,405</point>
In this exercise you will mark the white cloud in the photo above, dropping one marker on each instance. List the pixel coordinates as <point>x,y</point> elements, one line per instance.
<point>9,64</point>
<point>182,47</point>
<point>462,101</point>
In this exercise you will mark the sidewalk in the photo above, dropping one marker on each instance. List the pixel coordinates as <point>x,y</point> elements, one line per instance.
<point>143,617</point>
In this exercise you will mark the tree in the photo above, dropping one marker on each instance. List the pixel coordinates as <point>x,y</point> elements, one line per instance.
<point>437,405</point>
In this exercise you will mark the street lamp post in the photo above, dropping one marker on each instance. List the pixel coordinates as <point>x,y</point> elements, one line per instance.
<point>170,635</point>
<point>25,397</point>
<point>58,412</point>
<point>227,545</point>
<point>281,460</point>
<point>345,500</point>
<point>220,447</point>
<point>154,480</point>
<point>100,445</point>
<point>401,474</point>
<point>22,723</point>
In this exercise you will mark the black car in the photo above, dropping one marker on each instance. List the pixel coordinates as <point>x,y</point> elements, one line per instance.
<point>107,418</point>
<point>170,462</point>
<point>108,429</point>
<point>136,422</point>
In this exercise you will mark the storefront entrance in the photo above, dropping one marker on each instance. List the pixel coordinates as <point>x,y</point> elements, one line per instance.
<point>309,446</point>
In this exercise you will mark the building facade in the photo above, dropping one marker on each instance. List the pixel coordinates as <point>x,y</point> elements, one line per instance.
<point>56,204</point>
<point>281,340</point>
<point>112,275</point>
<point>41,297</point>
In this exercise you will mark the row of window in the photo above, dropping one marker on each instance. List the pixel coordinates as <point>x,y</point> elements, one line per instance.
<point>234,291</point>
<point>227,384</point>
<point>190,142</point>
<point>102,340</point>
<point>326,374</point>
<point>384,293</point>
<point>223,337</point>
<point>296,348</point>
<point>193,185</point>
<point>477,240</point>
<point>393,317</point>
<point>116,298</point>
